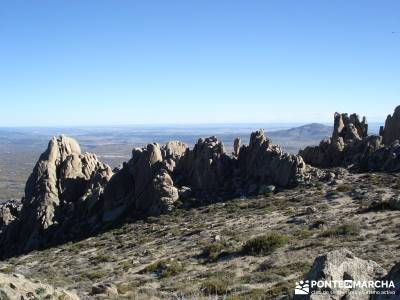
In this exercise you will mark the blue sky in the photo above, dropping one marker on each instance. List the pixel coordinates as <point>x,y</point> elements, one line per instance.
<point>158,62</point>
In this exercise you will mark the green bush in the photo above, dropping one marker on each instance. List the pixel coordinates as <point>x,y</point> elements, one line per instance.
<point>264,245</point>
<point>40,291</point>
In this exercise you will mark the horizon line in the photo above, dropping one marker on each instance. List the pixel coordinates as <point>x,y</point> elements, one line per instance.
<point>149,125</point>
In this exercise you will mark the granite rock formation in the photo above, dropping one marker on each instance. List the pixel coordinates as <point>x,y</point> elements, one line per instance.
<point>331,152</point>
<point>63,190</point>
<point>262,163</point>
<point>351,147</point>
<point>70,195</point>
<point>207,169</point>
<point>391,131</point>
<point>144,185</point>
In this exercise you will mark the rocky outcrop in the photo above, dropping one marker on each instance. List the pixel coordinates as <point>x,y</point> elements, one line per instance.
<point>347,130</point>
<point>340,265</point>
<point>64,187</point>
<point>351,147</point>
<point>207,169</point>
<point>157,176</point>
<point>70,195</point>
<point>16,286</point>
<point>144,185</point>
<point>262,163</point>
<point>9,212</point>
<point>391,131</point>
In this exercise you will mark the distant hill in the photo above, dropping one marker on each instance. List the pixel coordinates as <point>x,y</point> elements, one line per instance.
<point>309,131</point>
<point>294,139</point>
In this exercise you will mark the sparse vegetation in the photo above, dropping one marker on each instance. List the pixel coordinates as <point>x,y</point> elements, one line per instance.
<point>213,250</point>
<point>344,188</point>
<point>264,245</point>
<point>342,230</point>
<point>40,291</point>
<point>203,264</point>
<point>164,268</point>
<point>100,258</point>
<point>318,223</point>
<point>217,284</point>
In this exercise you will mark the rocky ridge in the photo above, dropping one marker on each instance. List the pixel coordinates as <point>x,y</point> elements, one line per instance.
<point>71,194</point>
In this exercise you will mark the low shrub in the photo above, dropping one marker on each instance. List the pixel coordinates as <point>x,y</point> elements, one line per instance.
<point>216,285</point>
<point>342,230</point>
<point>164,268</point>
<point>344,188</point>
<point>264,245</point>
<point>213,251</point>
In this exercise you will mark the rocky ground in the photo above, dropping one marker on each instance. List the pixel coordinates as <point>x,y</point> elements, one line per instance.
<point>210,250</point>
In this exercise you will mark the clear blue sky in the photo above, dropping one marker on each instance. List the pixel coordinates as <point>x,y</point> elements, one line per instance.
<point>134,62</point>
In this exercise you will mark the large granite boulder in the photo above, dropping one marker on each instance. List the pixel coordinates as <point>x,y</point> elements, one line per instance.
<point>340,265</point>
